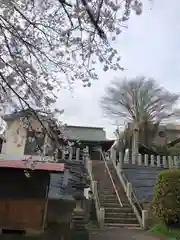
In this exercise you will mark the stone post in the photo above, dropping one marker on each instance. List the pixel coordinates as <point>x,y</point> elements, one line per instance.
<point>135,143</point>
<point>145,219</point>
<point>101,217</point>
<point>77,154</point>
<point>177,161</point>
<point>79,221</point>
<point>78,215</point>
<point>70,153</point>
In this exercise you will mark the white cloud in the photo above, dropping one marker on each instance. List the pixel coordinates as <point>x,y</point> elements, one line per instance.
<point>150,46</point>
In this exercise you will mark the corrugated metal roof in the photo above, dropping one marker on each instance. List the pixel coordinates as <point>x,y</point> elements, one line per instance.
<point>56,191</point>
<point>29,164</point>
<point>63,186</point>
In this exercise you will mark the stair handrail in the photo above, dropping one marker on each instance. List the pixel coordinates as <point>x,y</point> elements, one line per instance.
<point>129,191</point>
<point>112,181</point>
<point>133,199</point>
<point>100,211</point>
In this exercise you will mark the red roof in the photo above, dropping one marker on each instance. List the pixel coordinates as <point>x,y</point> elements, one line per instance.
<point>30,164</point>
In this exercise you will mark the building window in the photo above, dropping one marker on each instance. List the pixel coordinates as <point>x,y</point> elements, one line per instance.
<point>162,134</point>
<point>34,143</point>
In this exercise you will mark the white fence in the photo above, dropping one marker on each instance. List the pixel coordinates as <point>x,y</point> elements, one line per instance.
<point>70,153</point>
<point>146,160</point>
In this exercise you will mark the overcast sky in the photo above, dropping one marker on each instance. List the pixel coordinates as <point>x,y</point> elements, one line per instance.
<point>150,46</point>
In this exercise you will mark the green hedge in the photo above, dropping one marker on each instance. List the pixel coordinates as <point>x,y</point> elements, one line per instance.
<point>166,200</point>
<point>167,151</point>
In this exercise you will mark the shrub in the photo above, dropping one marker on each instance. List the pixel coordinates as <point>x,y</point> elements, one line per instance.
<point>166,200</point>
<point>167,151</point>
<point>174,151</point>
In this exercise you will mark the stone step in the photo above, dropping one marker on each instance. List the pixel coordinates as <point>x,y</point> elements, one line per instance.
<point>121,220</point>
<point>106,192</point>
<point>124,200</point>
<point>122,225</point>
<point>106,188</point>
<point>119,214</point>
<point>116,205</point>
<point>119,210</point>
<point>111,194</point>
<point>110,189</point>
<point>110,203</point>
<point>113,199</point>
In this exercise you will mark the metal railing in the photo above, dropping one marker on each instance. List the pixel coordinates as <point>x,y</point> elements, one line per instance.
<point>128,190</point>
<point>132,198</point>
<point>100,211</point>
<point>112,181</point>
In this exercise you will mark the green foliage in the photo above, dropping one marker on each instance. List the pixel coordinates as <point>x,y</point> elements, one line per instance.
<point>174,151</point>
<point>167,151</point>
<point>161,150</point>
<point>163,232</point>
<point>166,200</point>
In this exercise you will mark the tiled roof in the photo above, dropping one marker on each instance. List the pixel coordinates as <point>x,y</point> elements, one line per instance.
<point>68,184</point>
<point>85,133</point>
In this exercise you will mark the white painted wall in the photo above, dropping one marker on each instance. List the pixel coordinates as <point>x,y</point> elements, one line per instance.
<point>16,137</point>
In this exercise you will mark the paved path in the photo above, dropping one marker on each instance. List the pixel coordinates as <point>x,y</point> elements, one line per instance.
<point>118,234</point>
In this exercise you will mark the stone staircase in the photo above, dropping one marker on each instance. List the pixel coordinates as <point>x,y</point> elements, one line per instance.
<point>115,215</point>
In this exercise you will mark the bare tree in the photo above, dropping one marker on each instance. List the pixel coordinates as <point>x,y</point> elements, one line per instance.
<point>142,102</point>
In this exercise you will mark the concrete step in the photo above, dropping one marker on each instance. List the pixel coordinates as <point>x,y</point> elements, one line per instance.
<point>123,198</point>
<point>121,220</point>
<point>109,189</point>
<point>119,210</point>
<point>116,205</point>
<point>119,214</point>
<point>122,225</point>
<point>110,193</point>
<point>110,200</point>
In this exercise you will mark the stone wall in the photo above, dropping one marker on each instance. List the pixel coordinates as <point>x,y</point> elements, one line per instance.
<point>143,179</point>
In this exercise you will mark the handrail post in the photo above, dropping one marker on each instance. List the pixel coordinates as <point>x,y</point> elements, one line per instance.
<point>101,217</point>
<point>120,162</point>
<point>145,219</point>
<point>70,153</point>
<point>129,190</point>
<point>101,211</point>
<point>94,187</point>
<point>113,155</point>
<point>77,154</point>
